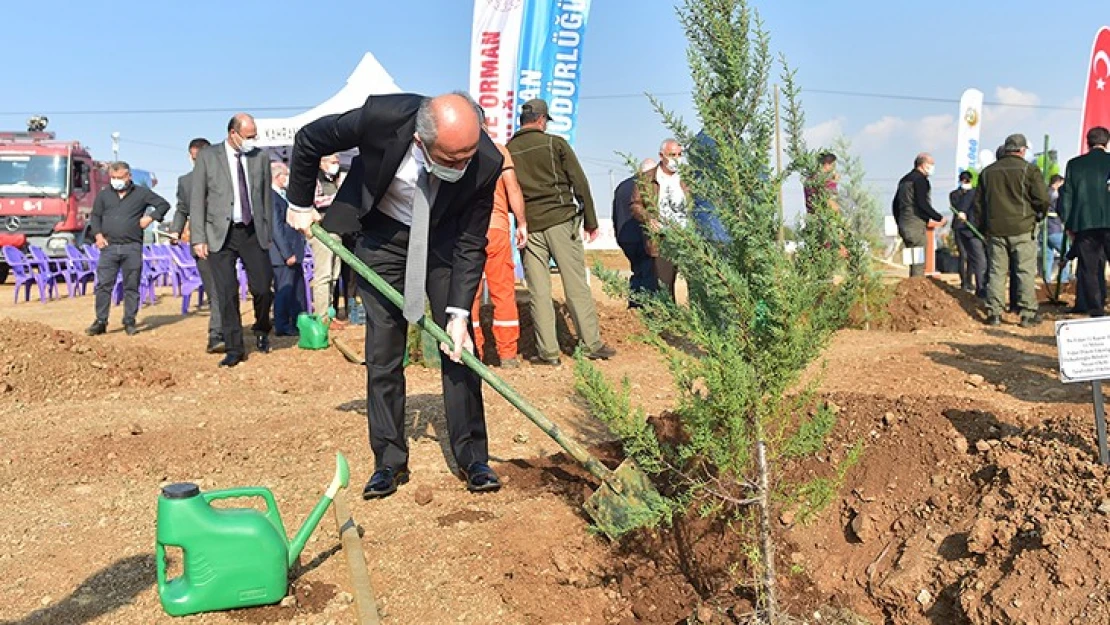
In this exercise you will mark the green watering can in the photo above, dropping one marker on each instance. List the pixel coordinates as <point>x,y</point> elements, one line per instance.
<point>313,330</point>
<point>232,557</point>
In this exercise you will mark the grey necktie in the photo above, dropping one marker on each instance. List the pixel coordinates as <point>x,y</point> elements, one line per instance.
<point>416,263</point>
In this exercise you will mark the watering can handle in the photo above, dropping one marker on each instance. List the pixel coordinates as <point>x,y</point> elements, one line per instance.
<point>250,491</point>
<point>160,562</point>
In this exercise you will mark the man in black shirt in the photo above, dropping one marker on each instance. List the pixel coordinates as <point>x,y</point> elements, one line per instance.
<point>117,222</point>
<point>913,208</point>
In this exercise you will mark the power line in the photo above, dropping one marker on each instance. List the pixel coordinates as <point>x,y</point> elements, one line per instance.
<point>611,96</point>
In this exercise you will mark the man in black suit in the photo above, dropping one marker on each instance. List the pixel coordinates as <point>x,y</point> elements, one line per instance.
<point>428,180</point>
<point>286,257</point>
<point>630,236</point>
<point>177,229</point>
<point>231,205</point>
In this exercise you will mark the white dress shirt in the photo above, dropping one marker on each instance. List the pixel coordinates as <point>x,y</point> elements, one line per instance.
<point>233,163</point>
<point>672,199</point>
<point>398,198</point>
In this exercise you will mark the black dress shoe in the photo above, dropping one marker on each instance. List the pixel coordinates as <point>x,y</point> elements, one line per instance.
<point>97,328</point>
<point>262,342</point>
<point>603,353</point>
<point>130,329</point>
<point>216,346</point>
<point>230,360</point>
<point>480,478</point>
<point>384,482</point>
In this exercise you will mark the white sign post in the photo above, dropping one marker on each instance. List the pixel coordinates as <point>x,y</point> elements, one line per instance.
<point>1083,346</point>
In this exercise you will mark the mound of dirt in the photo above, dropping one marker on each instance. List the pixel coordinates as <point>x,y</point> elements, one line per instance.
<point>1041,531</point>
<point>955,515</point>
<point>920,303</point>
<point>38,362</point>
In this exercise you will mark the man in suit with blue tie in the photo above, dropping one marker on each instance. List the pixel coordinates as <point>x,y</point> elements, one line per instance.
<point>230,208</point>
<point>286,257</point>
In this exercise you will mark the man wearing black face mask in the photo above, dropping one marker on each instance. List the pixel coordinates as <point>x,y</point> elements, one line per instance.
<point>117,221</point>
<point>427,180</point>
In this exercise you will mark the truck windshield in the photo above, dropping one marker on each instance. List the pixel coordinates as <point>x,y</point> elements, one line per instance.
<point>32,176</point>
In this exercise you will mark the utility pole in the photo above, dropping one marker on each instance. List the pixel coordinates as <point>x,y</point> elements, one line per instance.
<point>778,163</point>
<point>115,146</point>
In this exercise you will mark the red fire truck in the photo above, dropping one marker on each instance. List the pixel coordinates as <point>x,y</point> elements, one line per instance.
<point>47,188</point>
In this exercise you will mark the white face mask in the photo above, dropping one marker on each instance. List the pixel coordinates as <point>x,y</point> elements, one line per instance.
<point>446,174</point>
<point>248,146</point>
<point>966,186</point>
<point>332,169</point>
<point>119,184</point>
<point>929,169</point>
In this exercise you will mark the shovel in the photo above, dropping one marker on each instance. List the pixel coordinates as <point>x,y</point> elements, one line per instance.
<point>625,500</point>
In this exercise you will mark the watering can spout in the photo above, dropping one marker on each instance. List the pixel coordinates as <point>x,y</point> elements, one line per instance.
<point>340,480</point>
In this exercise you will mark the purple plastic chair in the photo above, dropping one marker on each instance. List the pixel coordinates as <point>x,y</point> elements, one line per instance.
<point>54,269</point>
<point>189,276</point>
<point>82,268</point>
<point>25,275</point>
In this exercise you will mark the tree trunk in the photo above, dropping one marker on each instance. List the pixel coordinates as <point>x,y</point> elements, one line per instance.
<point>767,545</point>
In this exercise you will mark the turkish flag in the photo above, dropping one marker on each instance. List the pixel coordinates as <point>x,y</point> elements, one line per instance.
<point>1096,106</point>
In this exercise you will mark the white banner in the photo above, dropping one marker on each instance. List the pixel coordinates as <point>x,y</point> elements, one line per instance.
<point>494,52</point>
<point>967,134</point>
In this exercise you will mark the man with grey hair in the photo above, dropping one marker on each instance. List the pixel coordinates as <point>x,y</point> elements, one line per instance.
<point>631,238</point>
<point>660,200</point>
<point>119,216</point>
<point>427,186</point>
<point>913,209</point>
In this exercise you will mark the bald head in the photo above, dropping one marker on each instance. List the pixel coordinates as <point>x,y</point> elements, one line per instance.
<point>925,163</point>
<point>240,128</point>
<point>448,129</point>
<point>647,164</point>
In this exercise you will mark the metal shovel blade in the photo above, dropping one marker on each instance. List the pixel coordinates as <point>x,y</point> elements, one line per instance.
<point>624,502</point>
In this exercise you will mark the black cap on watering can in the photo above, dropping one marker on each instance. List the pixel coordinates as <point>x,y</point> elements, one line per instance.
<point>181,490</point>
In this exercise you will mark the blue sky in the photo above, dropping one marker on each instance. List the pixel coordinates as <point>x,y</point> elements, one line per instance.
<point>247,55</point>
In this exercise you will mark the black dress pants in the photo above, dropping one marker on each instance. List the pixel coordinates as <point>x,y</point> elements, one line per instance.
<point>1094,251</point>
<point>242,244</point>
<point>384,247</point>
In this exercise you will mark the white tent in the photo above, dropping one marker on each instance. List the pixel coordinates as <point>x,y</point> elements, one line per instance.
<point>369,78</point>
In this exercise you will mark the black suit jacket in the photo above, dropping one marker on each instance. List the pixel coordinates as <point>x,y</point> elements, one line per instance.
<point>383,130</point>
<point>628,229</point>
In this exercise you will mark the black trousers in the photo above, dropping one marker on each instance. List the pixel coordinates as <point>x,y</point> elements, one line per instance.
<point>1094,251</point>
<point>383,247</point>
<point>289,297</point>
<point>643,266</point>
<point>116,258</point>
<point>242,244</point>
<point>973,262</point>
<point>215,324</point>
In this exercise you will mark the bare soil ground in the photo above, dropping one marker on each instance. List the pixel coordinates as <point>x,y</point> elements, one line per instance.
<point>978,498</point>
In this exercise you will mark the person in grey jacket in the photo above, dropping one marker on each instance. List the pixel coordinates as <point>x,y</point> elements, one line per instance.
<point>178,230</point>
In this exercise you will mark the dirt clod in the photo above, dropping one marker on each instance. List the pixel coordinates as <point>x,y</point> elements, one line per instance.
<point>423,495</point>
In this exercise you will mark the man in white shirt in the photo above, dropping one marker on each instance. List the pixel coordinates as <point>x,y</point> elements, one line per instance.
<point>665,204</point>
<point>427,175</point>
